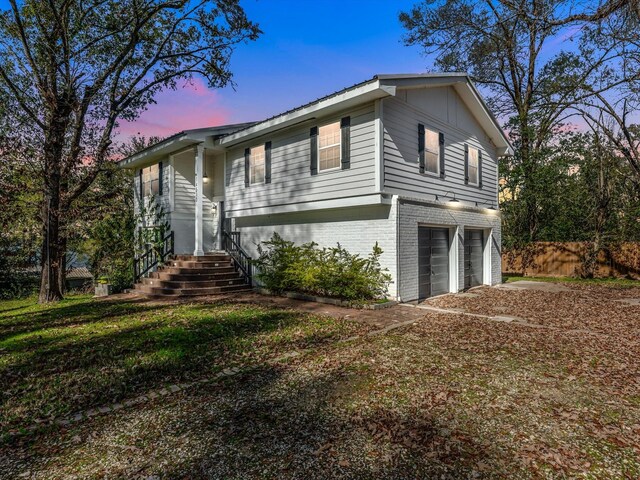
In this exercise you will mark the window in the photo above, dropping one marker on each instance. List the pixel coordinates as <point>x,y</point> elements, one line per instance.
<point>329,146</point>
<point>431,151</point>
<point>473,165</point>
<point>256,165</point>
<point>151,180</point>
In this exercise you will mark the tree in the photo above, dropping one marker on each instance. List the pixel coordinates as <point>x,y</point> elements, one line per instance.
<point>611,111</point>
<point>503,45</point>
<point>71,70</point>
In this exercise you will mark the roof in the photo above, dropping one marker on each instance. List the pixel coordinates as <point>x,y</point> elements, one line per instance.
<point>79,272</point>
<point>379,86</point>
<point>178,141</point>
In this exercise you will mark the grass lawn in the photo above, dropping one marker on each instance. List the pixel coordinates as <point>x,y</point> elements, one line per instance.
<point>83,352</point>
<point>449,396</point>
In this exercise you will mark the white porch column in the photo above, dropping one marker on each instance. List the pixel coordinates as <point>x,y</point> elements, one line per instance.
<point>199,160</point>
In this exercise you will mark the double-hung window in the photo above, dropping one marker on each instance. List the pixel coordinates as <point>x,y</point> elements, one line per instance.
<point>431,151</point>
<point>329,146</point>
<point>150,180</point>
<point>256,165</point>
<point>473,166</point>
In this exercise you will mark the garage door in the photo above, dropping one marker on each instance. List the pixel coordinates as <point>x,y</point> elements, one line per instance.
<point>473,257</point>
<point>433,261</point>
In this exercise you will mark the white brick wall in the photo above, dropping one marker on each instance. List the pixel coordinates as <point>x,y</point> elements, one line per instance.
<point>416,212</point>
<point>357,229</point>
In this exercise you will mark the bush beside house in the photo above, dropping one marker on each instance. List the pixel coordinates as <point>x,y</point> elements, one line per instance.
<point>332,272</point>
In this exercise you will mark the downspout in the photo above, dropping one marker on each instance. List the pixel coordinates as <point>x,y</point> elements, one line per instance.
<point>398,248</point>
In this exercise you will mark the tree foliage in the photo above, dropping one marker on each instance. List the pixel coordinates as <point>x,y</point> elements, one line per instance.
<point>71,70</point>
<point>506,48</point>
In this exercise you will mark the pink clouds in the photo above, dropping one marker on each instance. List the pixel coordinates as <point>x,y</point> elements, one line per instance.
<point>192,105</point>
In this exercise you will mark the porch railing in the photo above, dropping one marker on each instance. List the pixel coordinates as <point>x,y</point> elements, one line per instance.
<point>150,259</point>
<point>242,261</point>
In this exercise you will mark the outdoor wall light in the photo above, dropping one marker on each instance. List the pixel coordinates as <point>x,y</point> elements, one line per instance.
<point>205,178</point>
<point>446,195</point>
<point>491,207</point>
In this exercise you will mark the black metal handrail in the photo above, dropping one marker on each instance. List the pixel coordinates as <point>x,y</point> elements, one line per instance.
<point>150,259</point>
<point>242,261</point>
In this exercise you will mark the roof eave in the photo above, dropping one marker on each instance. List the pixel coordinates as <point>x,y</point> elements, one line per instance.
<point>169,145</point>
<point>178,142</point>
<point>497,135</point>
<point>369,91</point>
<point>469,93</point>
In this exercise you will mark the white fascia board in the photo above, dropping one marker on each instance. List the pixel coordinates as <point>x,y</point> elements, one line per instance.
<point>469,94</point>
<point>356,96</point>
<point>489,123</point>
<point>151,155</point>
<point>345,202</point>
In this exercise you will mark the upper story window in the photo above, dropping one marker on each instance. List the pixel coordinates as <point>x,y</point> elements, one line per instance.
<point>474,156</point>
<point>431,151</point>
<point>256,165</point>
<point>150,178</point>
<point>329,146</point>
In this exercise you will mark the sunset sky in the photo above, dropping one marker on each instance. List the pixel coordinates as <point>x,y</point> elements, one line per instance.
<point>308,49</point>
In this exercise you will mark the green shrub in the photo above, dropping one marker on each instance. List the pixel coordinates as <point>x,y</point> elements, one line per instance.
<point>330,272</point>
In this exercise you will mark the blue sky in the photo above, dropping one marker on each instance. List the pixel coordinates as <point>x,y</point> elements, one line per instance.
<point>308,49</point>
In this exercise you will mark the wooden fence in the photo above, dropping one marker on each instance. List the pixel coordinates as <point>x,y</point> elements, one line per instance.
<point>555,259</point>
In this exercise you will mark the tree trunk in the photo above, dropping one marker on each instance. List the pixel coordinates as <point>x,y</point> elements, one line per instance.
<point>50,288</point>
<point>53,249</point>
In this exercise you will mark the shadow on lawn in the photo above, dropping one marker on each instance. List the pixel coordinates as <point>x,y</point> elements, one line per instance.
<point>76,312</point>
<point>261,425</point>
<point>67,372</point>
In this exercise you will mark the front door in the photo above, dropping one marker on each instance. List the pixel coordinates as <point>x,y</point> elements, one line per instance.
<point>433,261</point>
<point>473,257</point>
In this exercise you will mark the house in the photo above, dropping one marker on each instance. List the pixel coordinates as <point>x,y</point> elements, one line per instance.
<point>409,161</point>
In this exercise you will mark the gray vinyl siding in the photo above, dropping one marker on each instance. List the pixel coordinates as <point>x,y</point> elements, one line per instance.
<point>291,180</point>
<point>400,150</point>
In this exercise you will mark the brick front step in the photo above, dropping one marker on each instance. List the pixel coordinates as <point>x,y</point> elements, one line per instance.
<point>199,264</point>
<point>188,276</point>
<point>187,292</point>
<point>178,284</point>
<point>193,277</point>
<point>208,257</point>
<point>196,271</point>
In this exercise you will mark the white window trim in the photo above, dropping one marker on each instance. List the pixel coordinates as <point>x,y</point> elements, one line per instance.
<point>151,180</point>
<point>339,144</point>
<point>437,152</point>
<point>264,166</point>
<point>477,182</point>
